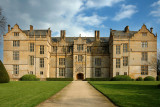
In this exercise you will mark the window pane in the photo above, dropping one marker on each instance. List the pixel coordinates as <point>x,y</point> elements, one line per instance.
<point>117,63</point>
<point>98,61</point>
<point>117,49</point>
<point>31,47</point>
<point>41,49</point>
<point>42,62</point>
<point>125,47</point>
<point>97,72</point>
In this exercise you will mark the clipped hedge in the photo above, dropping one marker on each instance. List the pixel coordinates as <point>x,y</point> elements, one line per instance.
<point>59,79</point>
<point>149,78</point>
<point>97,79</point>
<point>29,77</point>
<point>4,77</point>
<point>121,78</point>
<point>139,79</point>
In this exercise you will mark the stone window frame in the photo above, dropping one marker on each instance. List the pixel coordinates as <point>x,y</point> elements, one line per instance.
<point>117,73</point>
<point>118,62</point>
<point>15,55</point>
<point>41,62</point>
<point>144,44</point>
<point>98,61</point>
<point>125,73</point>
<point>125,47</point>
<point>144,69</point>
<point>80,47</point>
<point>41,72</point>
<point>41,49</point>
<point>16,43</point>
<point>31,47</point>
<point>31,60</point>
<point>15,69</point>
<point>62,72</point>
<point>118,49</point>
<point>80,58</point>
<point>89,49</point>
<point>144,33</point>
<point>125,61</point>
<point>144,56</point>
<point>31,72</point>
<point>16,33</point>
<point>61,61</point>
<point>98,72</point>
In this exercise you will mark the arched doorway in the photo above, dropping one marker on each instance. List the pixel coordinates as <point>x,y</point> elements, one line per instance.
<point>80,76</point>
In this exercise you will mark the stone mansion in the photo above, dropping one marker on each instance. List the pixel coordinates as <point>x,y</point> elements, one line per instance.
<point>124,52</point>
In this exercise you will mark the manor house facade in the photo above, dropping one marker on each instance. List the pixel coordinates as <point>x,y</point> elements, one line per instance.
<point>125,52</point>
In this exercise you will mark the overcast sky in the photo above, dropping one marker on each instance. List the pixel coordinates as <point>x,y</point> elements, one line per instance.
<point>82,16</point>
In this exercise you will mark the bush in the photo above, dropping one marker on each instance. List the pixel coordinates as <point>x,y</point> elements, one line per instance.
<point>97,79</point>
<point>4,77</point>
<point>139,79</point>
<point>149,78</point>
<point>158,77</point>
<point>29,77</point>
<point>121,78</point>
<point>59,79</point>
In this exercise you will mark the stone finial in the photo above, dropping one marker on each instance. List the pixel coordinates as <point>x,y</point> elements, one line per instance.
<point>31,28</point>
<point>9,28</point>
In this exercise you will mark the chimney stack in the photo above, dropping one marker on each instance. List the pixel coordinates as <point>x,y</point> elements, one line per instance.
<point>9,28</point>
<point>151,29</point>
<point>31,28</point>
<point>63,34</point>
<point>126,29</point>
<point>97,35</point>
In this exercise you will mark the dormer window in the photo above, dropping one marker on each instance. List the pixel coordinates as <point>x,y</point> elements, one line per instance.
<point>144,34</point>
<point>16,33</point>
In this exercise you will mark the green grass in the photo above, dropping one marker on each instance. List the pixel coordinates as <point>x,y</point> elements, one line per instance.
<point>130,93</point>
<point>28,93</point>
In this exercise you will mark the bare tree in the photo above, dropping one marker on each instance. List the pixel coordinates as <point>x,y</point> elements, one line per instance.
<point>2,24</point>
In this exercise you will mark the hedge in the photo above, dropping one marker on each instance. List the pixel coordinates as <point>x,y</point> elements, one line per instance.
<point>4,77</point>
<point>122,78</point>
<point>139,79</point>
<point>29,77</point>
<point>149,78</point>
<point>97,79</point>
<point>59,79</point>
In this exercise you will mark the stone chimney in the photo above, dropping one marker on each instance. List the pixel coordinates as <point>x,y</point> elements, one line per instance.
<point>151,29</point>
<point>9,28</point>
<point>31,28</point>
<point>126,29</point>
<point>63,34</point>
<point>97,35</point>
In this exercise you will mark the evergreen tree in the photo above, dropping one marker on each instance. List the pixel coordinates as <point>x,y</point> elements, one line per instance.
<point>4,77</point>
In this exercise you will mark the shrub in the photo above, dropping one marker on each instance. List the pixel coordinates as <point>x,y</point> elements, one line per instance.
<point>158,77</point>
<point>97,79</point>
<point>4,77</point>
<point>149,78</point>
<point>29,77</point>
<point>121,78</point>
<point>139,79</point>
<point>59,79</point>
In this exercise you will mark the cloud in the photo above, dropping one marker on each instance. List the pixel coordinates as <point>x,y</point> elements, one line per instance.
<point>93,20</point>
<point>156,11</point>
<point>56,14</point>
<point>101,3</point>
<point>126,11</point>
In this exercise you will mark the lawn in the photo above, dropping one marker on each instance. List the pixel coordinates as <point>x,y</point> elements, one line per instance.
<point>28,93</point>
<point>130,93</point>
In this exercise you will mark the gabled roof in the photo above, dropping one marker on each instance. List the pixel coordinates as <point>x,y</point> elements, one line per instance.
<point>123,33</point>
<point>88,39</point>
<point>36,32</point>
